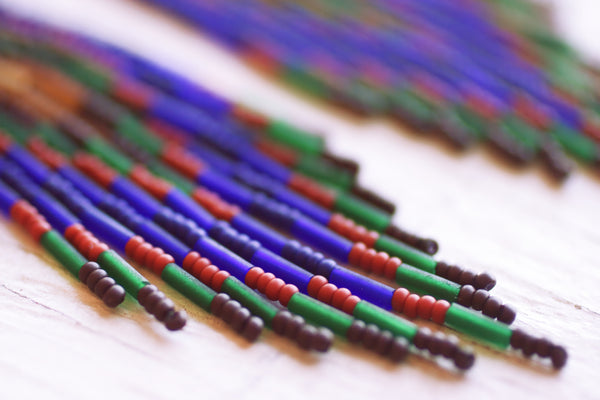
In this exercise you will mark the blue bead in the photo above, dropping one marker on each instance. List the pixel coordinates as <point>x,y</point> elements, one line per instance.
<point>83,184</point>
<point>7,198</point>
<point>35,169</point>
<point>256,230</point>
<point>158,237</point>
<point>367,289</point>
<point>226,188</point>
<point>303,205</point>
<point>139,199</point>
<point>222,257</point>
<point>322,238</point>
<point>281,268</point>
<point>185,205</point>
<point>107,229</point>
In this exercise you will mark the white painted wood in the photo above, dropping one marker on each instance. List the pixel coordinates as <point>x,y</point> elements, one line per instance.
<point>541,241</point>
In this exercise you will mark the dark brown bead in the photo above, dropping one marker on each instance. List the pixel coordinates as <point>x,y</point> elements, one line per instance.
<point>543,347</point>
<point>293,326</point>
<point>176,320</point>
<point>384,342</point>
<point>95,277</point>
<point>280,321</point>
<point>372,333</point>
<point>86,270</point>
<point>491,307</point>
<point>152,301</point>
<point>559,356</point>
<point>464,359</point>
<point>114,296</point>
<point>306,336</point>
<point>454,273</point>
<point>528,347</point>
<point>217,303</point>
<point>421,338</point>
<point>484,281</point>
<point>441,269</point>
<point>252,329</point>
<point>398,349</point>
<point>103,285</point>
<point>229,309</point>
<point>517,339</point>
<point>449,346</point>
<point>465,295</point>
<point>466,277</point>
<point>355,333</point>
<point>163,308</point>
<point>239,319</point>
<point>323,340</point>
<point>507,314</point>
<point>436,343</point>
<point>374,199</point>
<point>144,292</point>
<point>479,299</point>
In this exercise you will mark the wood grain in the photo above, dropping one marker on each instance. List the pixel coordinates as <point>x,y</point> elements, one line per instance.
<point>541,241</point>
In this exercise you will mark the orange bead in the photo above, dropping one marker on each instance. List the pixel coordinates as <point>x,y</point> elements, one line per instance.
<point>410,305</point>
<point>207,274</point>
<point>252,276</point>
<point>141,252</point>
<point>286,294</point>
<point>399,298</point>
<point>263,281</point>
<point>98,249</point>
<point>350,304</point>
<point>199,265</point>
<point>218,279</point>
<point>438,312</point>
<point>273,289</point>
<point>326,292</point>
<point>315,284</point>
<point>151,256</point>
<point>339,297</point>
<point>38,229</point>
<point>161,262</point>
<point>425,306</point>
<point>370,238</point>
<point>367,259</point>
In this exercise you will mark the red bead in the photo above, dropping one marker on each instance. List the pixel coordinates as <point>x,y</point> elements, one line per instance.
<point>410,305</point>
<point>339,297</point>
<point>315,285</point>
<point>286,294</point>
<point>252,276</point>
<point>425,306</point>
<point>391,267</point>
<point>207,274</point>
<point>438,313</point>
<point>379,261</point>
<point>356,253</point>
<point>326,293</point>
<point>263,281</point>
<point>218,279</point>
<point>398,299</point>
<point>350,303</point>
<point>367,259</point>
<point>273,289</point>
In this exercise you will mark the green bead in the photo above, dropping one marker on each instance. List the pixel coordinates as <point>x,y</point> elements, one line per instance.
<point>320,314</point>
<point>523,132</point>
<point>473,123</point>
<point>16,131</point>
<point>88,74</point>
<point>129,127</point>
<point>422,282</point>
<point>324,172</point>
<point>296,138</point>
<point>372,314</point>
<point>189,286</point>
<point>250,299</point>
<point>413,104</point>
<point>406,253</point>
<point>580,146</point>
<point>305,79</point>
<point>478,326</point>
<point>122,272</point>
<point>362,212</point>
<point>109,154</point>
<point>55,139</point>
<point>62,250</point>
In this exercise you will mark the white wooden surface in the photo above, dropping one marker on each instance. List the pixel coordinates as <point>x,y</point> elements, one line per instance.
<point>540,240</point>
